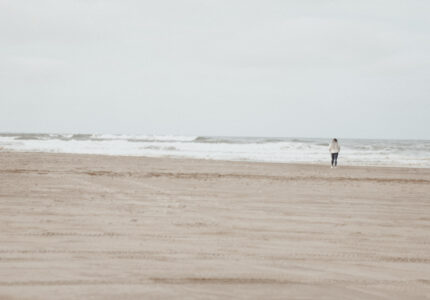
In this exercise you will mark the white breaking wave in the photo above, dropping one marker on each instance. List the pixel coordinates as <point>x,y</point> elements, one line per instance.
<point>170,138</point>
<point>288,150</point>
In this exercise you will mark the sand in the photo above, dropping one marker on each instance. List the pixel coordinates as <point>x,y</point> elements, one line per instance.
<point>104,227</point>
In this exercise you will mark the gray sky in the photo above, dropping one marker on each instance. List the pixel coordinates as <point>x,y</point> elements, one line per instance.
<point>216,67</point>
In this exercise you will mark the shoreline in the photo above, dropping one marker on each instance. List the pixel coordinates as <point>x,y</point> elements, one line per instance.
<point>319,164</point>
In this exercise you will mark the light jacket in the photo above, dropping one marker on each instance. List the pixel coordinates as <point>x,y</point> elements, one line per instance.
<point>334,147</point>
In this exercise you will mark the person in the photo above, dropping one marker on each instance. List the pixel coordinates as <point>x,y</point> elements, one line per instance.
<point>334,149</point>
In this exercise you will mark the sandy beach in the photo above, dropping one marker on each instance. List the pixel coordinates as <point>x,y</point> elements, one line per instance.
<point>110,227</point>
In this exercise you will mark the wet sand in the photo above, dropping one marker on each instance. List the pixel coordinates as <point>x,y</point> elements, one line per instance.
<point>104,227</point>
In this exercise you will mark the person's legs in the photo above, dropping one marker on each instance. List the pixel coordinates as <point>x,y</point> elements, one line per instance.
<point>332,159</point>
<point>335,159</point>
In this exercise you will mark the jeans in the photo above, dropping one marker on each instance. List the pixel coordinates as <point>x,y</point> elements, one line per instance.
<point>334,159</point>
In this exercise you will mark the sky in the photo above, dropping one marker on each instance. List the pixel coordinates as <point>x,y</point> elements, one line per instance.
<point>347,69</point>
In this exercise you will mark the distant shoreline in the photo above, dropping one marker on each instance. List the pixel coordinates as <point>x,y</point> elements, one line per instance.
<point>298,164</point>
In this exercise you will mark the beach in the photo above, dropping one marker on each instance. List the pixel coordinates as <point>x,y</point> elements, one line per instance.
<point>78,226</point>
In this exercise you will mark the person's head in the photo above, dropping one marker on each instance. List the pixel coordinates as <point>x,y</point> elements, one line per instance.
<point>335,140</point>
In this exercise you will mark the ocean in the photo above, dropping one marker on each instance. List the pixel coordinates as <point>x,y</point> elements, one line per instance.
<point>403,153</point>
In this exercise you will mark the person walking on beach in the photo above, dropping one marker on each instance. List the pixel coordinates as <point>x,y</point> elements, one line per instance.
<point>334,149</point>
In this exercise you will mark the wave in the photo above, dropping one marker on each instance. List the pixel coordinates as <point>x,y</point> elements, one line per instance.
<point>99,137</point>
<point>153,147</point>
<point>299,140</point>
<point>237,140</point>
<point>215,140</point>
<point>144,138</point>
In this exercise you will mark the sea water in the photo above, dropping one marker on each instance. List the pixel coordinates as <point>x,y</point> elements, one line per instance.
<point>407,153</point>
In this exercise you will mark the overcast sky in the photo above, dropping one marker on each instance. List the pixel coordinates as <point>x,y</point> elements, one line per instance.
<point>213,67</point>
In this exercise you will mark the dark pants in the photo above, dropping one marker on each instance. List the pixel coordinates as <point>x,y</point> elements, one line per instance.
<point>334,159</point>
